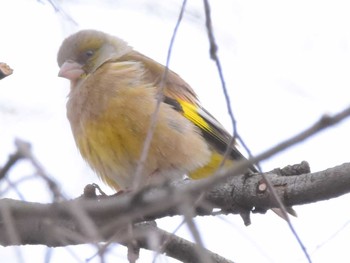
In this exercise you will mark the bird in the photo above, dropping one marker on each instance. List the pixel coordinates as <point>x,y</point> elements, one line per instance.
<point>114,91</point>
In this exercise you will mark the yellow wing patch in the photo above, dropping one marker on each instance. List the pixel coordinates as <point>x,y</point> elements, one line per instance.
<point>214,134</point>
<point>191,113</point>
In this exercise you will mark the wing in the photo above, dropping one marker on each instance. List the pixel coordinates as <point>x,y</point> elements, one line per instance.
<point>183,99</point>
<point>174,85</point>
<point>213,132</point>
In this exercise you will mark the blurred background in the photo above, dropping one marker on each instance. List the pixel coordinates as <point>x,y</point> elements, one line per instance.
<point>285,63</point>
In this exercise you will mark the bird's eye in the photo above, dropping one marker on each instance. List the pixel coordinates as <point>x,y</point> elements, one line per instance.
<point>89,53</point>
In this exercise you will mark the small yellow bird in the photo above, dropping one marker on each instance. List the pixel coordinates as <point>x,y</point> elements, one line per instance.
<point>112,98</point>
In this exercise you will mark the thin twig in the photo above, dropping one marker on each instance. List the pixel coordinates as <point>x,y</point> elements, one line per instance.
<point>154,117</point>
<point>14,187</point>
<point>186,252</point>
<point>187,210</point>
<point>165,242</point>
<point>332,236</point>
<point>285,216</point>
<point>10,163</point>
<point>78,213</point>
<point>214,56</point>
<point>24,149</point>
<point>59,9</point>
<point>325,122</point>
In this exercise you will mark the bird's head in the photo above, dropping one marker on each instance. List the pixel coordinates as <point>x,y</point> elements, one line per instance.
<point>85,51</point>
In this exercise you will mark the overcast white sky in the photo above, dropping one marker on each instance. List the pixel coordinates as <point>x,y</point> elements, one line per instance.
<point>286,63</point>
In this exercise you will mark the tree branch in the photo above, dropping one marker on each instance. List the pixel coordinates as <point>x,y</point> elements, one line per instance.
<point>54,224</point>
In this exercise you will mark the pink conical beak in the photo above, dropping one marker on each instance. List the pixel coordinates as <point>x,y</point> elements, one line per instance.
<point>71,70</point>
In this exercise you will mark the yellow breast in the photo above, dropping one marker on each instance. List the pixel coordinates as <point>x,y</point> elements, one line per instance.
<point>111,137</point>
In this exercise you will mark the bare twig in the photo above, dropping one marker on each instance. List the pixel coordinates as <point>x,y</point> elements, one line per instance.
<point>24,150</point>
<point>188,211</point>
<point>10,163</point>
<point>59,9</point>
<point>325,122</point>
<point>214,56</point>
<point>154,116</point>
<point>177,247</point>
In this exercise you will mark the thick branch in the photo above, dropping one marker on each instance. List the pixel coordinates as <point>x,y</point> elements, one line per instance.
<point>292,190</point>
<point>56,225</point>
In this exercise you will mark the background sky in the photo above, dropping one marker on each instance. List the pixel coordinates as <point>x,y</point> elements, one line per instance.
<point>286,63</point>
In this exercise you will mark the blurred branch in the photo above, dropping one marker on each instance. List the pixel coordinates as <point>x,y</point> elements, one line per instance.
<point>13,158</point>
<point>23,151</point>
<point>174,246</point>
<point>57,6</point>
<point>5,70</point>
<point>213,51</point>
<point>54,224</point>
<point>93,218</point>
<point>160,95</point>
<point>240,167</point>
<point>54,231</point>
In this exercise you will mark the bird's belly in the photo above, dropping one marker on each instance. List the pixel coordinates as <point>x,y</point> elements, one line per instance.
<point>113,141</point>
<point>112,150</point>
